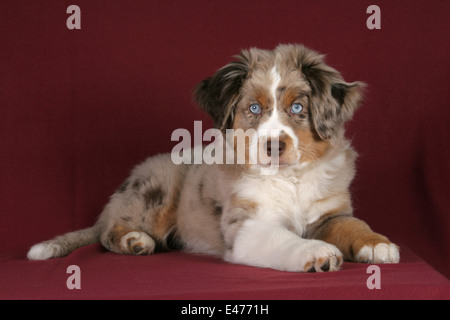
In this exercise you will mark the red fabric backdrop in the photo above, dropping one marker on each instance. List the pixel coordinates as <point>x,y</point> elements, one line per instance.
<point>79,108</point>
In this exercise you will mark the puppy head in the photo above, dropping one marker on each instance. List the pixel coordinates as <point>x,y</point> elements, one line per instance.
<point>288,98</point>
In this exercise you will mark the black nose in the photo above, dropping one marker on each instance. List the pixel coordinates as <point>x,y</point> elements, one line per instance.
<point>272,145</point>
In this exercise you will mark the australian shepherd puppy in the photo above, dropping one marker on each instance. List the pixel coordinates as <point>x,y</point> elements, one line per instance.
<point>287,208</point>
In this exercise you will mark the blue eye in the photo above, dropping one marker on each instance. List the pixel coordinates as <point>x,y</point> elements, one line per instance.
<point>255,108</point>
<point>296,108</point>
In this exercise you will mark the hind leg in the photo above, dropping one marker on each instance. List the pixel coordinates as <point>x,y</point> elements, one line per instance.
<point>124,240</point>
<point>141,213</point>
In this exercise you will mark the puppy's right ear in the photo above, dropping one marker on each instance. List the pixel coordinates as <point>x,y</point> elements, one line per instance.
<point>219,94</point>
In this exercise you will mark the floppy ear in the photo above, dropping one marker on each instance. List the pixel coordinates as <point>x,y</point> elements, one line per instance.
<point>333,101</point>
<point>218,95</point>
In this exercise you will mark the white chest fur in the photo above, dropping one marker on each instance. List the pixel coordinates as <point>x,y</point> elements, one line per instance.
<point>298,195</point>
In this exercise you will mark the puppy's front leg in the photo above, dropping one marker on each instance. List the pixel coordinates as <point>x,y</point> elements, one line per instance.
<point>262,244</point>
<point>355,239</point>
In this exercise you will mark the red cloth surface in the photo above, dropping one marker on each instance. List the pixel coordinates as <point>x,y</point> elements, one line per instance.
<point>177,275</point>
<point>80,108</point>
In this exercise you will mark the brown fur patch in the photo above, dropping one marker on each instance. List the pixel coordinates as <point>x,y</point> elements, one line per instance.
<point>311,148</point>
<point>164,222</point>
<point>263,98</point>
<point>245,204</point>
<point>347,233</point>
<point>291,95</point>
<point>289,154</point>
<point>166,219</point>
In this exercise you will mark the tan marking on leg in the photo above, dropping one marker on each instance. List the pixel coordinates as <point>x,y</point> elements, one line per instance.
<point>166,219</point>
<point>349,234</point>
<point>164,222</point>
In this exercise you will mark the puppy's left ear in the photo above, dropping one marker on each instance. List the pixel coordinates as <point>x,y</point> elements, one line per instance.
<point>219,94</point>
<point>348,96</point>
<point>335,105</point>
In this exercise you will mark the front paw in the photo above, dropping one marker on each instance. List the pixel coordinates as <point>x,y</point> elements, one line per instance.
<point>379,253</point>
<point>320,256</point>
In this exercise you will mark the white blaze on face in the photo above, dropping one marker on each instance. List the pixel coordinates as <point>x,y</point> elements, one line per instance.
<point>272,128</point>
<point>273,89</point>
